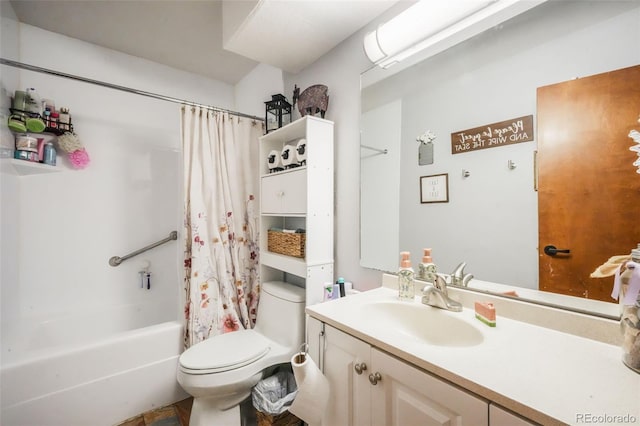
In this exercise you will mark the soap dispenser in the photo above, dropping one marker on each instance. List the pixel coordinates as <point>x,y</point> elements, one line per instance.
<point>427,269</point>
<point>406,278</point>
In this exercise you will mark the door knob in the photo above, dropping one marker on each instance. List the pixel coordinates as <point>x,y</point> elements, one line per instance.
<point>360,368</point>
<point>552,250</point>
<point>375,378</point>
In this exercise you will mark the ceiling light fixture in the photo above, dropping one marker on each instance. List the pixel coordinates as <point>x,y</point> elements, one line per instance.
<point>438,25</point>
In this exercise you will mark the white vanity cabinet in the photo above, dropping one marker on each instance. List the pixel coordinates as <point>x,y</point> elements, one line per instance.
<point>370,387</point>
<point>501,417</point>
<point>346,365</point>
<point>405,395</point>
<point>506,378</point>
<point>299,197</point>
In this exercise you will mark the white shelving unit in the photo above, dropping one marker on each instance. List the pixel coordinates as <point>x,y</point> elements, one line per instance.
<point>300,197</point>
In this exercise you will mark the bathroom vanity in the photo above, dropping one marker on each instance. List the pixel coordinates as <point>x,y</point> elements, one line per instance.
<point>402,363</point>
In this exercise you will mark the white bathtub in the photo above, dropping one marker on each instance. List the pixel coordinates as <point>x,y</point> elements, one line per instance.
<point>99,383</point>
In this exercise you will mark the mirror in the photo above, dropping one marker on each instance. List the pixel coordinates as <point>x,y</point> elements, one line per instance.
<point>490,220</point>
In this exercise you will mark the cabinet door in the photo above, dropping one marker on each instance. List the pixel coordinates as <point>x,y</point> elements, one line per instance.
<point>285,193</point>
<point>349,403</point>
<point>405,395</point>
<point>315,339</point>
<point>500,417</point>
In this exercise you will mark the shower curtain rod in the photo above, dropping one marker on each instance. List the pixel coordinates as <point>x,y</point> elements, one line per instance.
<point>34,68</point>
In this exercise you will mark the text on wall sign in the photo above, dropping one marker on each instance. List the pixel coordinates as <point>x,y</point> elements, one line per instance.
<point>506,132</point>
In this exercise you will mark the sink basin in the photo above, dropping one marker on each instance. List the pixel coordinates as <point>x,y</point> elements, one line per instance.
<point>432,325</point>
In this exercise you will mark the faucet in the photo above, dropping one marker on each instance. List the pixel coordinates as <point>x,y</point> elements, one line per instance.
<point>436,295</point>
<point>459,278</point>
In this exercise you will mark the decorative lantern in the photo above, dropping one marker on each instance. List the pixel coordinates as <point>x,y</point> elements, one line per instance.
<point>277,112</point>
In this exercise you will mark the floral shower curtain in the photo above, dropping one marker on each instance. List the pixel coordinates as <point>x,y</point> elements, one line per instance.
<point>221,222</point>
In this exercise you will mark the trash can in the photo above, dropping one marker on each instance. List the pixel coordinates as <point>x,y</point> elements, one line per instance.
<point>272,397</point>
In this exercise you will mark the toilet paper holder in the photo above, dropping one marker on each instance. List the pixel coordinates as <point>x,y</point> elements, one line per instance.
<point>301,356</point>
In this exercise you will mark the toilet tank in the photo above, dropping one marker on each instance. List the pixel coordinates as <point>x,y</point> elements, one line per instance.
<point>281,313</point>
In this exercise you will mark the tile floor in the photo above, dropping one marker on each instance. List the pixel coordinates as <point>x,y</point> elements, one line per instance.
<point>172,415</point>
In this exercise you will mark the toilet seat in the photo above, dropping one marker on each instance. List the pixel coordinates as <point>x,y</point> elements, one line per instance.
<point>224,352</point>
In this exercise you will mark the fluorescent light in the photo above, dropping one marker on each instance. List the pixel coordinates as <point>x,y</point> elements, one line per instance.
<point>437,24</point>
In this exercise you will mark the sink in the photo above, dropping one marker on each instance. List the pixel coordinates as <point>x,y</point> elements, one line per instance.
<point>432,325</point>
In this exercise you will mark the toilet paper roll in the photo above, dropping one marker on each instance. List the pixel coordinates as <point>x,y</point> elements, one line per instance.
<point>273,160</point>
<point>301,151</point>
<point>289,156</point>
<point>313,390</point>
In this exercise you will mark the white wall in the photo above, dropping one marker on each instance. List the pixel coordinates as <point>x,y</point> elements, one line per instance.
<point>256,88</point>
<point>70,223</point>
<point>8,48</point>
<point>340,70</point>
<point>9,212</point>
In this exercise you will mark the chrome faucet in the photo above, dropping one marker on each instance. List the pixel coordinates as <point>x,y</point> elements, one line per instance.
<point>436,295</point>
<point>459,278</point>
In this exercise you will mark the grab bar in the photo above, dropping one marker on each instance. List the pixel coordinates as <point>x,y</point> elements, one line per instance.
<point>117,260</point>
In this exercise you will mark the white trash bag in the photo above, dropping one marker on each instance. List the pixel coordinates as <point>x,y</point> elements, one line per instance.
<point>275,394</point>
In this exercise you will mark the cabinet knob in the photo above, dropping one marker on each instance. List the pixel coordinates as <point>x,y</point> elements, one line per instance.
<point>360,368</point>
<point>280,193</point>
<point>374,378</point>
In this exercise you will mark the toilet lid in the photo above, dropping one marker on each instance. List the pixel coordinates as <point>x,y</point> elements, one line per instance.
<point>225,352</point>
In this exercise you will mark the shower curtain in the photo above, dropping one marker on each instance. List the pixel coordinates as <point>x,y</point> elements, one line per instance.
<point>220,222</point>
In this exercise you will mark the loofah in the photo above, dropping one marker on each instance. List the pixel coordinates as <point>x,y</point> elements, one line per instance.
<point>69,142</point>
<point>79,158</point>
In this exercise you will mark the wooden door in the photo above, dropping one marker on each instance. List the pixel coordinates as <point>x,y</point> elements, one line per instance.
<point>588,190</point>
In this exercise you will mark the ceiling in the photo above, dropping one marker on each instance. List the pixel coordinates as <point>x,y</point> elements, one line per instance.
<point>192,35</point>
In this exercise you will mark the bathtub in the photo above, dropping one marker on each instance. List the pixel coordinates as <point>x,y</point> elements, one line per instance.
<point>97,383</point>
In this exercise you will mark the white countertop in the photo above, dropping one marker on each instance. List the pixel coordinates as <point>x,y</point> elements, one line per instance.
<point>545,375</point>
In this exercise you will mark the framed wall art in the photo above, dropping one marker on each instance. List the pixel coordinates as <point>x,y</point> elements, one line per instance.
<point>434,188</point>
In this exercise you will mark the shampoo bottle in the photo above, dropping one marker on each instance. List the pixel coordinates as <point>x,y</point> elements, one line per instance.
<point>406,278</point>
<point>49,154</point>
<point>427,269</point>
<point>340,283</point>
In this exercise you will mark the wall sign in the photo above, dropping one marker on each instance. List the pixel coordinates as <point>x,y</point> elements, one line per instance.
<point>506,132</point>
<point>434,189</point>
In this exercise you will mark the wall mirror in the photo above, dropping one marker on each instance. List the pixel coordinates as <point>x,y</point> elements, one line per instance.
<point>491,218</point>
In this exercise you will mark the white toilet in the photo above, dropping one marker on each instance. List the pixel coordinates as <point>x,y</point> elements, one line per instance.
<point>220,371</point>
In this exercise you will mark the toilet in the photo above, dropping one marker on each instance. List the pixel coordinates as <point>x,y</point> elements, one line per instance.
<point>220,371</point>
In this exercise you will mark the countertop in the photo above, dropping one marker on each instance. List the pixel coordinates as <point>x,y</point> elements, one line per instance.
<point>548,376</point>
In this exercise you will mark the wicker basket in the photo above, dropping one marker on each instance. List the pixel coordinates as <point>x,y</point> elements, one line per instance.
<point>282,419</point>
<point>286,243</point>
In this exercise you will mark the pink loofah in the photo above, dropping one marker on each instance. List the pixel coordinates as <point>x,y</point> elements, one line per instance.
<point>79,158</point>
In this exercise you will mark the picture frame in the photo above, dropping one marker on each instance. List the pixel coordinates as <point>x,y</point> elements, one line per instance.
<point>434,188</point>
